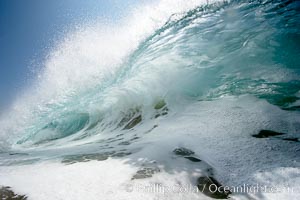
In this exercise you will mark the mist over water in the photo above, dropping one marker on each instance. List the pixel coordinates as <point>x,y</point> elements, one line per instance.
<point>171,52</point>
<point>101,76</point>
<point>112,98</point>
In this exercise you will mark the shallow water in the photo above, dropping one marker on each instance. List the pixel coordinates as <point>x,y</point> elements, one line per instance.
<point>197,75</point>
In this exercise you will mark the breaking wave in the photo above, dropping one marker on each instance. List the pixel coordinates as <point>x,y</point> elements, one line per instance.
<point>102,80</point>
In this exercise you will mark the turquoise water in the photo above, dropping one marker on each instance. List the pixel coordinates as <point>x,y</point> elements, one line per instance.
<point>205,53</point>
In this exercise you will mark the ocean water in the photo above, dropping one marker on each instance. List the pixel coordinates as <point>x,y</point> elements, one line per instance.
<point>113,99</point>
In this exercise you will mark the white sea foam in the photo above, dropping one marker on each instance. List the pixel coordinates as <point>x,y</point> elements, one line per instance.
<point>222,143</point>
<point>211,69</point>
<point>86,57</point>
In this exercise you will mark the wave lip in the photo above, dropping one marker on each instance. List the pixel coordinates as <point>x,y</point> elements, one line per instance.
<point>96,77</point>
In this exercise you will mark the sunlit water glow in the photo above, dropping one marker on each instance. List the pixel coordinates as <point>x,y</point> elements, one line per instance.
<point>206,76</point>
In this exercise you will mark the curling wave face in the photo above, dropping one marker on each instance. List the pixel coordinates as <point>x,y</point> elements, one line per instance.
<point>101,81</point>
